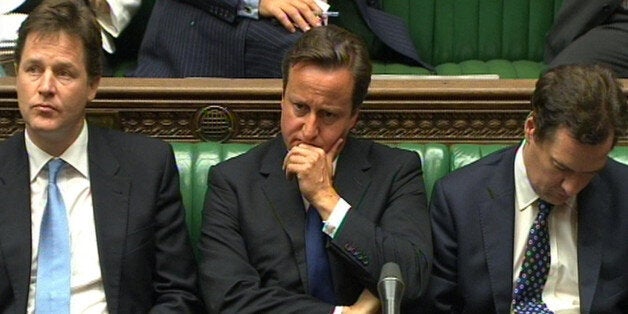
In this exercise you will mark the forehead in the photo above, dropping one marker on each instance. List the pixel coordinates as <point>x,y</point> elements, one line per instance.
<point>579,157</point>
<point>53,45</point>
<point>309,80</point>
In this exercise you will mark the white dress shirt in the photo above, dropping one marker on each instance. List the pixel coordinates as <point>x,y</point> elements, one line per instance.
<point>88,294</point>
<point>114,21</point>
<point>561,292</point>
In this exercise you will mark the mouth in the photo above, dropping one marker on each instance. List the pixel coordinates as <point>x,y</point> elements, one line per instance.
<point>44,107</point>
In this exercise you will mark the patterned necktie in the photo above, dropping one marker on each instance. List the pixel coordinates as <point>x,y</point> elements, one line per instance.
<point>528,292</point>
<point>53,263</point>
<point>318,269</point>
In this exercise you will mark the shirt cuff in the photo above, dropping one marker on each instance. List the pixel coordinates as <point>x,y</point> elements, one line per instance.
<point>332,225</point>
<point>338,310</point>
<point>249,9</point>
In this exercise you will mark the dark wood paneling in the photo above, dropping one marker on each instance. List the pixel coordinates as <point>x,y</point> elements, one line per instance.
<point>247,110</point>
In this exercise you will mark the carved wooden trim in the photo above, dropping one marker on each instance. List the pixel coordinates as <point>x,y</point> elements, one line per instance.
<point>248,110</point>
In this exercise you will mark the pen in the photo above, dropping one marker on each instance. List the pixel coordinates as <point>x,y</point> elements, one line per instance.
<point>331,14</point>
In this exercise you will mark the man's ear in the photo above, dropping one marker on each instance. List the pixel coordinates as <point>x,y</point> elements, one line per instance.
<point>355,118</point>
<point>529,127</point>
<point>93,87</point>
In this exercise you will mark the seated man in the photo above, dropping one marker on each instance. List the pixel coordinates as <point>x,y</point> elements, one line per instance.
<point>263,246</point>
<point>590,32</point>
<point>91,219</point>
<point>540,227</point>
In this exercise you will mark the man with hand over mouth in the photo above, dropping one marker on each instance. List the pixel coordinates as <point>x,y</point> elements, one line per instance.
<point>304,222</point>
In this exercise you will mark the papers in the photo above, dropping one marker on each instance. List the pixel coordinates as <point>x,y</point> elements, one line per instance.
<point>9,5</point>
<point>323,5</point>
<point>10,24</point>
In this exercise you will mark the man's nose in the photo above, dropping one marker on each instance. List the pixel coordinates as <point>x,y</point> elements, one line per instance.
<point>47,83</point>
<point>310,127</point>
<point>574,183</point>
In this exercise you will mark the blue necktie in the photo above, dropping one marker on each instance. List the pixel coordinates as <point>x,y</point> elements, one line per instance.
<point>53,263</point>
<point>318,270</point>
<point>528,292</point>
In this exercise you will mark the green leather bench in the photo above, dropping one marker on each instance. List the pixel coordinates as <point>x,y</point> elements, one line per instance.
<point>195,159</point>
<point>464,37</point>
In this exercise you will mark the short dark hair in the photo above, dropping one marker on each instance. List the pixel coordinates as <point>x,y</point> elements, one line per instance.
<point>72,17</point>
<point>332,47</point>
<point>586,99</point>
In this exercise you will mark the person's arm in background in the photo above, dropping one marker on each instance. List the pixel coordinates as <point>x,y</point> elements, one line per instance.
<point>113,16</point>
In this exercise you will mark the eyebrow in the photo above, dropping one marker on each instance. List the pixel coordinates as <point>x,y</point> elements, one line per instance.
<point>563,166</point>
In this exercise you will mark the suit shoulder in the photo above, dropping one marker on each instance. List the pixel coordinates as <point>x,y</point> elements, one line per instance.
<point>250,158</point>
<point>480,169</point>
<point>615,171</point>
<point>386,151</point>
<point>129,140</point>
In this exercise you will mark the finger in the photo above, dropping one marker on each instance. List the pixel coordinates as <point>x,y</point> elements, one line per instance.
<point>285,21</point>
<point>296,15</point>
<point>289,174</point>
<point>313,14</point>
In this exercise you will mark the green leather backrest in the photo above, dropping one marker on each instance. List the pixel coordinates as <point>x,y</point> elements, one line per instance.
<point>458,30</point>
<point>433,160</point>
<point>195,159</point>
<point>461,155</point>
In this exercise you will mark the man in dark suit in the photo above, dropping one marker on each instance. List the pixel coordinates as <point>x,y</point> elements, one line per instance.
<point>255,247</point>
<point>118,237</point>
<point>482,214</point>
<point>590,32</point>
<point>238,38</point>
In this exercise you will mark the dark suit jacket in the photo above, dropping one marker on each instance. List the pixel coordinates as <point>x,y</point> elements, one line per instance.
<point>472,215</point>
<point>252,242</point>
<point>575,18</point>
<point>145,257</point>
<point>200,38</point>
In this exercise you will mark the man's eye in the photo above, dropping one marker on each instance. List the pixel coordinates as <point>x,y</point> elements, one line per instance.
<point>329,117</point>
<point>560,167</point>
<point>64,74</point>
<point>33,69</point>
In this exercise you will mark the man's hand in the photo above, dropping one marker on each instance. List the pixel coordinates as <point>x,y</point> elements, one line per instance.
<point>313,168</point>
<point>366,303</point>
<point>303,14</point>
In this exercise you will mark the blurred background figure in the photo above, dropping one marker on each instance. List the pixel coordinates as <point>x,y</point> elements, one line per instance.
<point>590,32</point>
<point>248,38</point>
<point>112,15</point>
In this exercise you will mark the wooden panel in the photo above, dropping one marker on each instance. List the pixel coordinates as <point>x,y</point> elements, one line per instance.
<point>247,110</point>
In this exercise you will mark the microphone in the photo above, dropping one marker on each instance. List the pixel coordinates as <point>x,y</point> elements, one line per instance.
<point>390,288</point>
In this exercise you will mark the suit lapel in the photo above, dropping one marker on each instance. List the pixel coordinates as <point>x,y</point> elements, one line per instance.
<point>496,216</point>
<point>593,205</point>
<point>15,217</point>
<point>285,203</point>
<point>350,179</point>
<point>110,198</point>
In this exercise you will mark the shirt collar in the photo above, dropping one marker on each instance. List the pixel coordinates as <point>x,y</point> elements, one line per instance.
<point>525,194</point>
<point>75,155</point>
